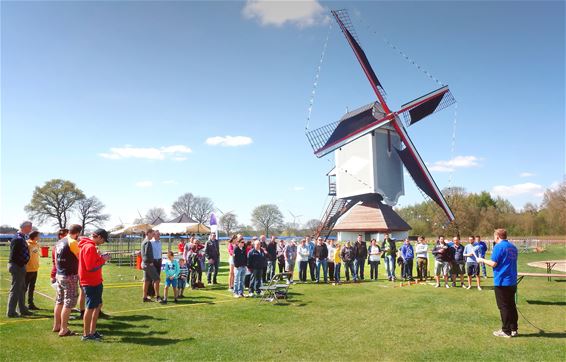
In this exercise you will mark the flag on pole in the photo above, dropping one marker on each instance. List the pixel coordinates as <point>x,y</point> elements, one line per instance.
<point>213,224</point>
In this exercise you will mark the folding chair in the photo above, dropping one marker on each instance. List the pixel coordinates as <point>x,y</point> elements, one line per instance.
<point>282,288</point>
<point>268,291</point>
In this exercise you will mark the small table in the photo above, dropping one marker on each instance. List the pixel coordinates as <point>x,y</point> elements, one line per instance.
<point>548,275</point>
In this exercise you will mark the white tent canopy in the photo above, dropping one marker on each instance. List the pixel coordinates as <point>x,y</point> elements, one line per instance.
<point>181,228</point>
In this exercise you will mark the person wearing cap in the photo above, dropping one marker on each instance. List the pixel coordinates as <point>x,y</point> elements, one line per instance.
<point>90,279</point>
<point>67,259</point>
<point>19,257</point>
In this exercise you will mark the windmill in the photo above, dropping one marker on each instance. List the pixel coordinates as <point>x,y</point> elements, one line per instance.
<point>371,145</point>
<point>295,218</point>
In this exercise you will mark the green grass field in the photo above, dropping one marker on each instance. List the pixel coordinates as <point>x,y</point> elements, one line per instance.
<point>366,321</point>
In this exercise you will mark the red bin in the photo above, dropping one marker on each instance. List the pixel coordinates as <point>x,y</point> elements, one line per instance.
<point>138,262</point>
<point>45,251</point>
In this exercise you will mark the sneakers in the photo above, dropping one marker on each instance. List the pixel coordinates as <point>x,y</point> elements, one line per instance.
<point>500,333</point>
<point>514,333</point>
<point>464,286</point>
<point>98,335</point>
<point>469,286</point>
<point>447,286</point>
<point>479,288</point>
<point>147,300</point>
<point>437,285</point>
<point>237,296</point>
<point>454,284</point>
<point>163,301</point>
<point>90,337</point>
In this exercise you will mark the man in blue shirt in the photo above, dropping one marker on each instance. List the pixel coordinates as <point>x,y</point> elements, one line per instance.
<point>483,251</point>
<point>504,264</point>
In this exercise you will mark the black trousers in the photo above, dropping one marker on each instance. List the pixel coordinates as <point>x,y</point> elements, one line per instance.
<point>505,298</point>
<point>312,267</point>
<point>303,271</point>
<point>31,278</point>
<point>281,265</point>
<point>331,270</point>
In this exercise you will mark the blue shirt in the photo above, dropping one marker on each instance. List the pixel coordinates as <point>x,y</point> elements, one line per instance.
<point>472,249</point>
<point>311,249</point>
<point>505,272</point>
<point>157,251</point>
<point>483,248</point>
<point>407,252</point>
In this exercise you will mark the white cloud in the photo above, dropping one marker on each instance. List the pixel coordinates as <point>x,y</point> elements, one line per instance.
<point>302,13</point>
<point>229,141</point>
<point>456,162</point>
<point>526,174</point>
<point>527,188</point>
<point>144,184</point>
<point>148,153</point>
<point>298,188</point>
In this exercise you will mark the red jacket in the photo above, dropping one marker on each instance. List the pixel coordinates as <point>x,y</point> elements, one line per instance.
<point>90,263</point>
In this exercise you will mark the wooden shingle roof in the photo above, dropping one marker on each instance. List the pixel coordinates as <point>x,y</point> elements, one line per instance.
<point>372,216</point>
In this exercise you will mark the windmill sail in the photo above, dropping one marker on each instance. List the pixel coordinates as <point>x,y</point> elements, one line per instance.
<point>419,172</point>
<point>426,105</point>
<point>350,127</point>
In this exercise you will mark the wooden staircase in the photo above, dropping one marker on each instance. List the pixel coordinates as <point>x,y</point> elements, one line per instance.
<point>336,208</point>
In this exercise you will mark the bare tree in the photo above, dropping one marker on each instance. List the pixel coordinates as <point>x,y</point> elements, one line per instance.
<point>266,217</point>
<point>203,206</point>
<point>54,200</point>
<point>312,225</point>
<point>90,212</point>
<point>154,213</point>
<point>185,204</point>
<point>228,222</point>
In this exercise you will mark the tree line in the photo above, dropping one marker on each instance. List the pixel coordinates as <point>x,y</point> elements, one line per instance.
<point>481,213</point>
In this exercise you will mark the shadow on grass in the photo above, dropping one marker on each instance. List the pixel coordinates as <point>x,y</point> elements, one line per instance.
<point>543,334</point>
<point>134,318</point>
<point>154,341</point>
<point>542,302</point>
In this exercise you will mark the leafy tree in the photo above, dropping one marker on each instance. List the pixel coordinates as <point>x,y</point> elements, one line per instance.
<point>266,217</point>
<point>90,212</point>
<point>228,222</point>
<point>54,201</point>
<point>554,204</point>
<point>7,229</point>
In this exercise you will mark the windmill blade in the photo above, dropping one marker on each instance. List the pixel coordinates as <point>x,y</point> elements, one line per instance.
<point>343,20</point>
<point>351,126</point>
<point>418,170</point>
<point>426,105</point>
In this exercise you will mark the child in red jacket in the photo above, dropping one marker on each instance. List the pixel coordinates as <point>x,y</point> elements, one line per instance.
<point>90,278</point>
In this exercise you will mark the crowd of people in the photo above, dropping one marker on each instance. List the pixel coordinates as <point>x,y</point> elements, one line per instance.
<point>77,268</point>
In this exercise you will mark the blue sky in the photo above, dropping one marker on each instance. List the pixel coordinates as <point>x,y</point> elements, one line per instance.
<point>140,102</point>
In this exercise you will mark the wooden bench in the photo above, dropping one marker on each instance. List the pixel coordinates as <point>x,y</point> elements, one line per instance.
<point>539,275</point>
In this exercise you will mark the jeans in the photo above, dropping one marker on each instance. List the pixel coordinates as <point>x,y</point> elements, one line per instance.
<point>373,266</point>
<point>408,269</point>
<point>483,271</point>
<point>255,281</point>
<point>505,298</point>
<point>331,270</point>
<point>31,278</point>
<point>359,265</point>
<point>390,266</point>
<point>422,265</point>
<point>349,267</point>
<point>17,290</point>
<point>324,264</point>
<point>303,271</point>
<point>281,265</point>
<point>337,272</point>
<point>312,266</point>
<point>212,271</point>
<point>270,269</point>
<point>239,277</point>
